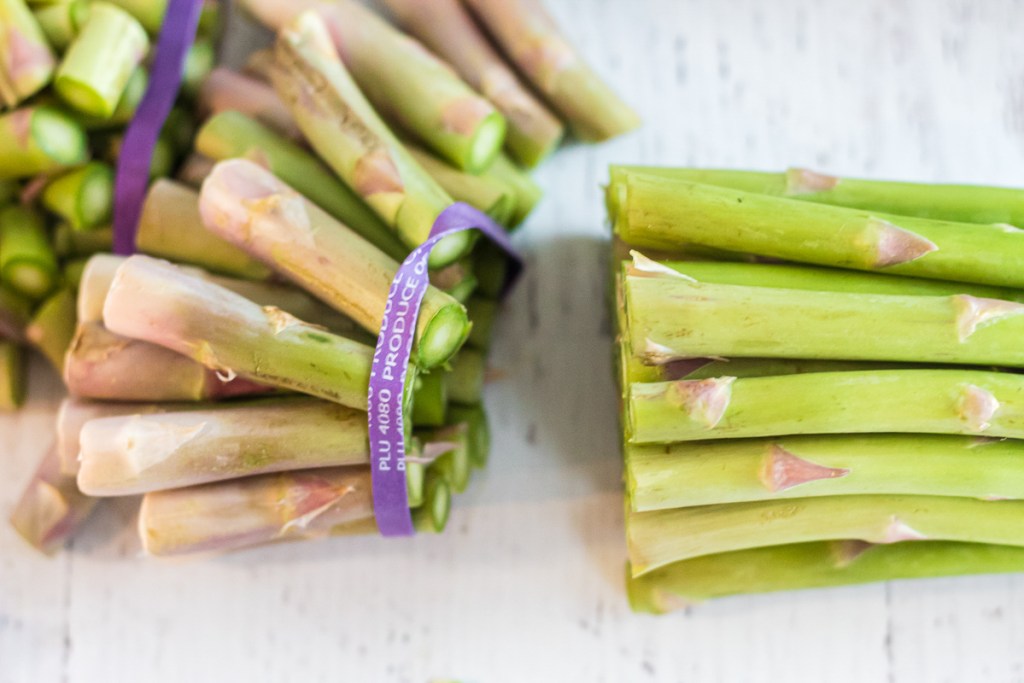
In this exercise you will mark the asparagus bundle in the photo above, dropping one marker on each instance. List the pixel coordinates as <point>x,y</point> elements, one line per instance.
<point>791,426</point>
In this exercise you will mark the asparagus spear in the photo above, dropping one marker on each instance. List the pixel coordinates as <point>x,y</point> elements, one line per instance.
<point>134,90</point>
<point>661,213</point>
<point>448,31</point>
<point>61,22</point>
<point>483,312</point>
<point>527,192</point>
<point>689,474</point>
<point>908,401</point>
<point>227,90</point>
<point>133,454</point>
<point>12,376</point>
<point>35,140</point>
<point>27,261</point>
<point>101,59</point>
<point>199,62</point>
<point>105,366</point>
<point>455,462</point>
<point>154,301</point>
<point>530,38</point>
<point>83,197</point>
<point>51,509</point>
<point>26,61</point>
<point>347,133</point>
<point>662,537</point>
<point>960,203</point>
<point>53,326</point>
<point>812,565</point>
<point>252,209</point>
<point>478,432</point>
<point>671,318</point>
<point>231,134</point>
<point>481,191</point>
<point>465,380</point>
<point>15,313</point>
<point>490,265</point>
<point>430,400</point>
<point>170,226</point>
<point>431,515</point>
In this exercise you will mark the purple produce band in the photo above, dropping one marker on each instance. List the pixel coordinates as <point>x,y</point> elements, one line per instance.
<point>176,36</point>
<point>391,362</point>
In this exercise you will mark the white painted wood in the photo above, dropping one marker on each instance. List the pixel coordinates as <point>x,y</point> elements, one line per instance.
<point>526,585</point>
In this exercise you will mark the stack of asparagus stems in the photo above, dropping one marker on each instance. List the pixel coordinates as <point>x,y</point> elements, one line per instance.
<point>820,380</point>
<point>222,373</point>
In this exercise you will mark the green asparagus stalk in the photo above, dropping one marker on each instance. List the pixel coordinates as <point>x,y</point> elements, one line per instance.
<point>15,314</point>
<point>73,415</point>
<point>478,434</point>
<point>227,90</point>
<point>12,376</point>
<point>348,134</point>
<point>104,366</point>
<point>244,512</point>
<point>71,243</point>
<point>732,471</point>
<point>51,509</point>
<point>126,106</point>
<point>959,203</point>
<point>661,213</point>
<point>199,62</point>
<point>455,462</point>
<point>448,31</point>
<point>231,134</point>
<point>527,192</point>
<point>132,454</point>
<point>430,516</point>
<point>27,261</point>
<point>26,60</point>
<point>465,380</point>
<point>250,208</point>
<point>154,301</point>
<point>659,538</point>
<point>416,477</point>
<point>532,41</point>
<point>180,128</point>
<point>905,401</point>
<point>99,62</point>
<point>812,565</point>
<point>672,317</point>
<point>83,197</point>
<point>35,140</point>
<point>481,191</point>
<point>170,227</point>
<point>62,21</point>
<point>149,13</point>
<point>71,272</point>
<point>53,327</point>
<point>430,400</point>
<point>483,312</point>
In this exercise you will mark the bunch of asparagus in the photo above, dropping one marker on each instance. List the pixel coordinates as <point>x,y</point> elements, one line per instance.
<point>222,373</point>
<point>820,380</point>
<point>72,74</point>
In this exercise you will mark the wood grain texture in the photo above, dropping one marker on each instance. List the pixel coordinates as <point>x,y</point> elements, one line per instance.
<point>526,586</point>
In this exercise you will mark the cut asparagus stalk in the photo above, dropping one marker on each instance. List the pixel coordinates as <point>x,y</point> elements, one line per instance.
<point>478,434</point>
<point>960,203</point>
<point>227,90</point>
<point>231,134</point>
<point>53,327</point>
<point>465,380</point>
<point>15,314</point>
<point>27,262</point>
<point>154,301</point>
<point>445,27</point>
<point>430,400</point>
<point>73,415</point>
<point>170,227</point>
<point>662,213</point>
<point>71,243</point>
<point>348,134</point>
<point>134,90</point>
<point>83,197</point>
<point>51,509</point>
<point>26,61</point>
<point>659,538</point>
<point>532,41</point>
<point>134,454</point>
<point>812,565</point>
<point>684,475</point>
<point>194,169</point>
<point>430,516</point>
<point>105,366</point>
<point>415,476</point>
<point>455,462</point>
<point>904,401</point>
<point>527,192</point>
<point>247,206</point>
<point>100,61</point>
<point>12,376</point>
<point>61,22</point>
<point>483,192</point>
<point>35,140</point>
<point>245,512</point>
<point>671,318</point>
<point>483,312</point>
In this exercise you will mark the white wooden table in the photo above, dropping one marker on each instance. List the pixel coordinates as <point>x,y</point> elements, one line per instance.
<point>526,585</point>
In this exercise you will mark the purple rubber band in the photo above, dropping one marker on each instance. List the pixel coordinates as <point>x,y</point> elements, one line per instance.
<point>176,36</point>
<point>391,363</point>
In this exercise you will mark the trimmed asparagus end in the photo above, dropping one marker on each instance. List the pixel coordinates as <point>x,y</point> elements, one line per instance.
<point>51,509</point>
<point>486,144</point>
<point>443,336</point>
